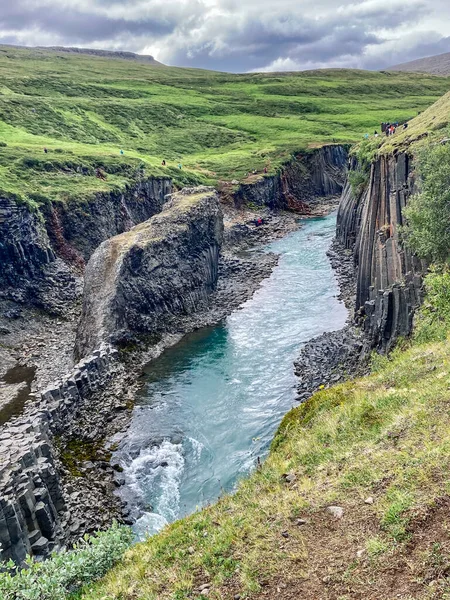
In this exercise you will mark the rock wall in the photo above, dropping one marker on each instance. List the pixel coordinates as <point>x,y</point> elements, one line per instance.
<point>42,252</point>
<point>32,505</point>
<point>30,271</point>
<point>388,276</point>
<point>137,283</point>
<point>85,225</point>
<point>306,179</point>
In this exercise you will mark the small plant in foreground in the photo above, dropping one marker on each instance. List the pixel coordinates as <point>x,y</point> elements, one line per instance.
<point>63,573</point>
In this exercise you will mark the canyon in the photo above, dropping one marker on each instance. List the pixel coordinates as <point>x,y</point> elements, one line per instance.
<point>154,271</point>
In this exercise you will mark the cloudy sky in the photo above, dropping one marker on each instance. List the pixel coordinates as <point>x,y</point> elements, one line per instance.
<point>238,35</point>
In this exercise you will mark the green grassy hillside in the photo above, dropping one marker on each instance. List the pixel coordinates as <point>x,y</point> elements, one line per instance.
<point>378,448</point>
<point>85,109</point>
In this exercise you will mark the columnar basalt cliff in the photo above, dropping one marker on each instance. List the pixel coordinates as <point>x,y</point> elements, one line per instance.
<point>29,268</point>
<point>32,504</point>
<point>42,251</point>
<point>138,282</point>
<point>388,276</point>
<point>307,179</point>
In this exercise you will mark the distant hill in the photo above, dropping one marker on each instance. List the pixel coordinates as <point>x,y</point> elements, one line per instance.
<point>145,58</point>
<point>91,108</point>
<point>436,65</point>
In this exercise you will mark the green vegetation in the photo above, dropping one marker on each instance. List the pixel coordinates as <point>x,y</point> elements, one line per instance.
<point>428,212</point>
<point>378,447</point>
<point>58,576</point>
<point>428,125</point>
<point>76,451</point>
<point>218,126</point>
<point>433,320</point>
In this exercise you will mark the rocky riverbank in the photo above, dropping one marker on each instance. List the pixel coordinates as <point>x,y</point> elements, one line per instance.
<point>69,431</point>
<point>81,450</point>
<point>338,355</point>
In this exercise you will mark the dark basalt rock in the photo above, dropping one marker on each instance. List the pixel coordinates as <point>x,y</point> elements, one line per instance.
<point>388,276</point>
<point>308,179</point>
<point>30,271</point>
<point>81,227</point>
<point>137,282</point>
<point>43,252</point>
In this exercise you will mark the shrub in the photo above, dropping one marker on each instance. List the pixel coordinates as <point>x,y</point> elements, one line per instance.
<point>63,573</point>
<point>427,229</point>
<point>358,181</point>
<point>433,319</point>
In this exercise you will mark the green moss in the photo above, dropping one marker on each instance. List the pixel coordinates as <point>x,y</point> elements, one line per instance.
<point>74,452</point>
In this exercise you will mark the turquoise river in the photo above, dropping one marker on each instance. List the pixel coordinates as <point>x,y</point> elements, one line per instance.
<point>210,405</point>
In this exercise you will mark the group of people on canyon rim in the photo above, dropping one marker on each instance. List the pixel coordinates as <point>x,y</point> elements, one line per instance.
<point>388,129</point>
<point>391,128</point>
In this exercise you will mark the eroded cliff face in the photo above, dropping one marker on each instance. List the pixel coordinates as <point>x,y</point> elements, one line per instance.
<point>42,253</point>
<point>138,282</point>
<point>30,270</point>
<point>84,226</point>
<point>305,180</point>
<point>388,276</point>
<point>33,517</point>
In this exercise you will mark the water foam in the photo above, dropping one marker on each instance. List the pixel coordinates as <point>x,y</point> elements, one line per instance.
<point>157,469</point>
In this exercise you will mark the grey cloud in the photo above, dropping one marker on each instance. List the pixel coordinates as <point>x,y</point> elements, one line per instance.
<point>74,24</point>
<point>254,43</point>
<point>236,35</point>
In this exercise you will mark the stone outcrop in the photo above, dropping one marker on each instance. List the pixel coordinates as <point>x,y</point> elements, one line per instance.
<point>137,283</point>
<point>388,277</point>
<point>32,501</point>
<point>42,251</point>
<point>306,179</point>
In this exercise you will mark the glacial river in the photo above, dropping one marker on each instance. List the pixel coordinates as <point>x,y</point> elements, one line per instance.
<point>210,405</point>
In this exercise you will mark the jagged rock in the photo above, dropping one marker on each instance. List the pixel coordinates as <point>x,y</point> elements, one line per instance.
<point>136,282</point>
<point>79,231</point>
<point>40,547</point>
<point>32,497</point>
<point>43,251</point>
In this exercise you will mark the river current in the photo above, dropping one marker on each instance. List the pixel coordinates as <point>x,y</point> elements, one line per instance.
<point>210,405</point>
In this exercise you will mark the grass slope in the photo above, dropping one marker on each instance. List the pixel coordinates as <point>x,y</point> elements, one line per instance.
<point>379,448</point>
<point>219,126</point>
